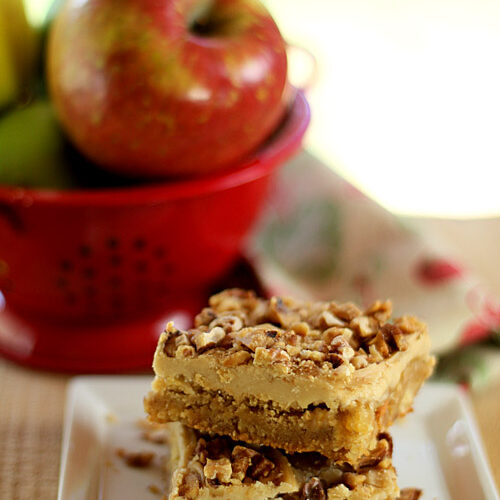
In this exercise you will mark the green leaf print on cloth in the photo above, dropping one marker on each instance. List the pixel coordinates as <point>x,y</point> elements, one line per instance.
<point>305,242</point>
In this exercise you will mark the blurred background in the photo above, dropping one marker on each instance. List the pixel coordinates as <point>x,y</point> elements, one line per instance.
<point>414,119</point>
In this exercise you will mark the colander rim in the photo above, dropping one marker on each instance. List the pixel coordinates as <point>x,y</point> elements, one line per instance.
<point>263,162</point>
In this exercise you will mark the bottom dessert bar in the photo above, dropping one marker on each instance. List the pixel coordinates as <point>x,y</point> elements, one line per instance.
<point>205,467</point>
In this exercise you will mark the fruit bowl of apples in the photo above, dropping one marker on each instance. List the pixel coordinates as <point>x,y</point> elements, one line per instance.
<point>174,118</point>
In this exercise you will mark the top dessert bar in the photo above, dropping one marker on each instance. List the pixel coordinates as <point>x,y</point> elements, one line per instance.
<point>300,376</point>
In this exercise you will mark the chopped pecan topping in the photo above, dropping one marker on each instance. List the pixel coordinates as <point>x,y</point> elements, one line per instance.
<point>298,335</point>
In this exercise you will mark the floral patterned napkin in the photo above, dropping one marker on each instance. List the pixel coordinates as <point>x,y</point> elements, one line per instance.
<point>320,238</point>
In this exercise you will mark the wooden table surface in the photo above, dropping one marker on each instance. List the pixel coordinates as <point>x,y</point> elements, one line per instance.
<point>31,421</point>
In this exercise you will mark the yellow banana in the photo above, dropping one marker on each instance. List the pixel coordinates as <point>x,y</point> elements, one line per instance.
<point>8,77</point>
<point>20,40</point>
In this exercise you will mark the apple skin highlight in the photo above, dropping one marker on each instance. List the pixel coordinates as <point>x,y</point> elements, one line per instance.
<point>158,88</point>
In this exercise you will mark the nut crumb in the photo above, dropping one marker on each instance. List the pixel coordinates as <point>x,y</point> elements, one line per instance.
<point>219,469</point>
<point>152,488</point>
<point>410,494</point>
<point>140,459</point>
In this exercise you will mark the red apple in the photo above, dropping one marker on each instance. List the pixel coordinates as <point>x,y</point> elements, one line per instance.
<point>157,88</point>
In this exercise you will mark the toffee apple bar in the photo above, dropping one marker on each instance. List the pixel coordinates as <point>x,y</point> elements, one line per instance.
<point>299,376</point>
<point>205,466</point>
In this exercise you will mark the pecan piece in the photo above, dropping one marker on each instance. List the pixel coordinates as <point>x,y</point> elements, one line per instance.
<point>219,469</point>
<point>280,314</point>
<point>206,340</point>
<point>353,480</point>
<point>265,356</point>
<point>185,351</point>
<point>172,339</point>
<point>190,487</point>
<point>347,311</point>
<point>385,340</point>
<point>359,361</point>
<point>237,358</point>
<point>410,494</point>
<point>242,459</point>
<point>328,319</point>
<point>409,324</point>
<point>139,459</point>
<point>229,322</point>
<point>206,316</point>
<point>381,311</point>
<point>313,489</point>
<point>301,328</point>
<point>316,356</point>
<point>382,450</point>
<point>261,467</point>
<point>365,326</point>
<point>341,346</point>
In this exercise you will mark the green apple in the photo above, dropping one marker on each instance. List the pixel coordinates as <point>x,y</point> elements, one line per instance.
<point>32,149</point>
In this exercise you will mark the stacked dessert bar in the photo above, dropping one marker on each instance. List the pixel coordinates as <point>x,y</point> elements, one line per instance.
<point>286,399</point>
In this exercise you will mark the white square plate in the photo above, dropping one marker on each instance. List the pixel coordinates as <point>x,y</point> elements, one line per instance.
<point>437,448</point>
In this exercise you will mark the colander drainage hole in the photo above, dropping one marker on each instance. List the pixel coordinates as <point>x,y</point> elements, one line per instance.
<point>85,251</point>
<point>116,260</point>
<point>117,302</point>
<point>66,266</point>
<point>88,272</point>
<point>61,282</point>
<point>70,298</point>
<point>140,244</point>
<point>115,281</point>
<point>159,252</point>
<point>141,266</point>
<point>113,243</point>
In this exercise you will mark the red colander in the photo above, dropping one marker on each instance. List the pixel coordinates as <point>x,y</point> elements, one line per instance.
<point>89,278</point>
